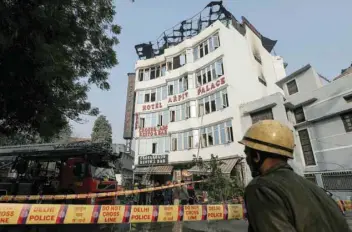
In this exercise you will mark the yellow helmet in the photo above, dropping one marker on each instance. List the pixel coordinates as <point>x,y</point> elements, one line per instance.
<point>270,136</point>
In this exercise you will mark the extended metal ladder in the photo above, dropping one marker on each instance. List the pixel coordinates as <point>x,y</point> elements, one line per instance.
<point>146,177</point>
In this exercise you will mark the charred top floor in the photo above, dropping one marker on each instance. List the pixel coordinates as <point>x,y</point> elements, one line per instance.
<point>188,28</point>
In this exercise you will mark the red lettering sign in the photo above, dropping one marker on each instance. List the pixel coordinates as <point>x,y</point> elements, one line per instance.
<point>177,98</point>
<point>153,131</point>
<point>152,106</point>
<point>211,86</point>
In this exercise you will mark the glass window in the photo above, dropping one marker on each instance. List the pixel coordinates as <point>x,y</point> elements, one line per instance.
<point>163,69</point>
<point>179,139</point>
<point>212,103</point>
<point>199,78</point>
<point>225,100</point>
<point>218,100</point>
<point>152,73</point>
<point>141,75</point>
<point>171,89</point>
<point>146,74</point>
<point>203,137</point>
<point>206,105</point>
<point>219,68</point>
<point>213,72</point>
<point>185,140</point>
<point>146,97</point>
<point>216,135</point>
<point>164,92</point>
<point>222,133</point>
<point>153,96</point>
<point>210,136</point>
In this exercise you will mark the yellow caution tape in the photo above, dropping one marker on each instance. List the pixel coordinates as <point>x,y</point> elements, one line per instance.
<point>15,214</point>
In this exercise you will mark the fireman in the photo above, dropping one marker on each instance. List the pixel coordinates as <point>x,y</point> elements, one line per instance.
<point>277,199</point>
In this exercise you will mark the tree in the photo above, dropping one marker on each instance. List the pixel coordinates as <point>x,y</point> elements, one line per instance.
<point>50,54</point>
<point>219,186</point>
<point>102,132</point>
<point>26,138</point>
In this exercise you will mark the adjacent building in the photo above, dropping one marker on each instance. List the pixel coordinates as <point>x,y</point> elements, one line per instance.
<point>322,118</point>
<point>188,89</point>
<point>320,114</point>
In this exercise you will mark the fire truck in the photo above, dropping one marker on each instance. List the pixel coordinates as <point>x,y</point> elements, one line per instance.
<point>67,168</point>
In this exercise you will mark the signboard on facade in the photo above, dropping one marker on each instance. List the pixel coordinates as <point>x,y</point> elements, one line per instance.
<point>153,159</point>
<point>129,111</point>
<point>211,86</point>
<point>178,98</point>
<point>152,106</point>
<point>153,131</point>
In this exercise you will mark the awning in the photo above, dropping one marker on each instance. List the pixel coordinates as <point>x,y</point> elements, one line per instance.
<point>156,170</point>
<point>226,167</point>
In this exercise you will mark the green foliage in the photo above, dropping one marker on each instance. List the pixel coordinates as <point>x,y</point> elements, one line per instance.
<point>26,138</point>
<point>102,132</point>
<point>220,187</point>
<point>50,54</point>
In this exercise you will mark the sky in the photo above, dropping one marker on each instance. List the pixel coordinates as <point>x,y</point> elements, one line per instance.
<point>318,32</point>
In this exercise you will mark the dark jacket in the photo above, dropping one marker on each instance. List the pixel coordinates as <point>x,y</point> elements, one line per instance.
<point>280,200</point>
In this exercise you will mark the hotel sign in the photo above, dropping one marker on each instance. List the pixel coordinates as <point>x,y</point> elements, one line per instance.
<point>153,131</point>
<point>152,106</point>
<point>211,86</point>
<point>153,159</point>
<point>129,110</point>
<point>178,98</point>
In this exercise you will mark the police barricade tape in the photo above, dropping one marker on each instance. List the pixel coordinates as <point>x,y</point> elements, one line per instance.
<point>15,214</point>
<point>8,198</point>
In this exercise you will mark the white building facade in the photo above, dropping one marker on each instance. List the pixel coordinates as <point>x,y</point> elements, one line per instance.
<point>188,98</point>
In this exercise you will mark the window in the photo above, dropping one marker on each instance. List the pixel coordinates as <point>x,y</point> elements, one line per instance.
<point>190,140</point>
<point>261,79</point>
<point>160,120</point>
<point>299,115</point>
<point>306,147</point>
<point>172,116</point>
<point>210,136</point>
<point>141,122</point>
<point>219,68</point>
<point>140,75</point>
<point>204,142</point>
<point>347,121</point>
<point>171,90</point>
<point>183,59</point>
<point>147,97</point>
<point>257,57</point>
<point>201,109</point>
<point>188,110</point>
<point>225,99</point>
<point>216,135</point>
<point>154,148</point>
<point>153,96</point>
<point>152,73</point>
<point>176,62</point>
<point>163,69</point>
<point>229,132</point>
<point>146,74</point>
<point>212,103</point>
<point>174,144</point>
<point>262,115</point>
<point>292,87</point>
<point>209,45</point>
